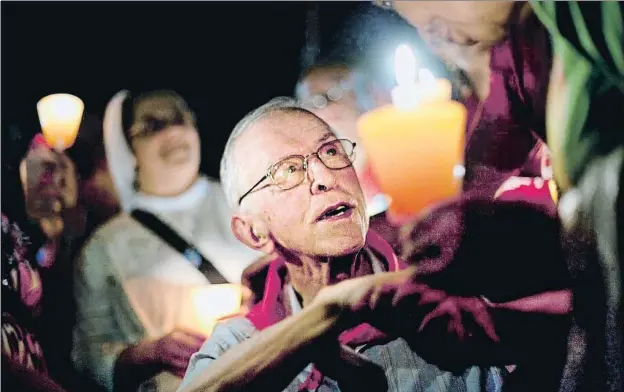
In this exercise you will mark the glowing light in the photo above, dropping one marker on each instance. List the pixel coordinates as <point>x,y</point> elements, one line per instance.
<point>60,116</point>
<point>404,65</point>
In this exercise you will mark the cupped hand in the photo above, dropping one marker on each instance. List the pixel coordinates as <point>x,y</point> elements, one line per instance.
<point>396,302</point>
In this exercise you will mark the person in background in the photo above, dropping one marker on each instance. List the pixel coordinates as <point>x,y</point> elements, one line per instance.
<point>97,196</point>
<point>504,53</point>
<point>503,249</point>
<point>39,185</point>
<point>95,204</point>
<point>584,84</point>
<point>138,322</point>
<point>585,94</point>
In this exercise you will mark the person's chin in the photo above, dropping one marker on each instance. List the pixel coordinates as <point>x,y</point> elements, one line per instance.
<point>337,245</point>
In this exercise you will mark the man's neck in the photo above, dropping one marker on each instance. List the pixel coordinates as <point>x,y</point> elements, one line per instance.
<point>309,275</point>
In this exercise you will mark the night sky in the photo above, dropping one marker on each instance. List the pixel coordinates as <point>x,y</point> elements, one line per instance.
<point>224,57</point>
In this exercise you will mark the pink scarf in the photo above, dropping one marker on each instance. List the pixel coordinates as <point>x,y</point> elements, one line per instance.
<point>271,310</point>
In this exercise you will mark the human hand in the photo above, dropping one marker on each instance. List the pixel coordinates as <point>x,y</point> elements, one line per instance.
<point>50,181</point>
<point>395,301</point>
<point>173,351</point>
<point>357,299</point>
<point>67,180</point>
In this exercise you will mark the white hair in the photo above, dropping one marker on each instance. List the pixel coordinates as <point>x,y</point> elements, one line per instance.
<point>230,172</point>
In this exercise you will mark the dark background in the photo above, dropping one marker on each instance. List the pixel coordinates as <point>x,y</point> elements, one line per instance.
<point>224,57</point>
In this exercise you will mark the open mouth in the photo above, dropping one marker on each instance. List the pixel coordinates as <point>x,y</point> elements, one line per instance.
<point>338,211</point>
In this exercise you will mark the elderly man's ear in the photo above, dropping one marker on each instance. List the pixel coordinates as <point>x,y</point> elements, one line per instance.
<point>253,233</point>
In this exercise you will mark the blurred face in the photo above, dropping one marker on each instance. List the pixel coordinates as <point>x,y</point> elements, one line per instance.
<point>165,142</point>
<point>174,150</point>
<point>322,216</point>
<point>455,30</point>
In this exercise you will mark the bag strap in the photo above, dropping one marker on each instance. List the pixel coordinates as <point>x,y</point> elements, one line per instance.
<point>171,237</point>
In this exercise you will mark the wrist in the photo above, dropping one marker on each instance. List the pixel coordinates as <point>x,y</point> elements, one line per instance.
<point>326,318</point>
<point>141,353</point>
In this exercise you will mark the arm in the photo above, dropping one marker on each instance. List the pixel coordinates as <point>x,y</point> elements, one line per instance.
<point>269,360</point>
<point>552,302</point>
<point>100,347</point>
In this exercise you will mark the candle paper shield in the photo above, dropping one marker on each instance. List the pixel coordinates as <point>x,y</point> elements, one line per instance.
<point>60,116</point>
<point>416,144</point>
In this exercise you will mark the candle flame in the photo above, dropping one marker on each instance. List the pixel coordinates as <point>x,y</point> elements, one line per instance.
<point>404,65</point>
<point>425,76</point>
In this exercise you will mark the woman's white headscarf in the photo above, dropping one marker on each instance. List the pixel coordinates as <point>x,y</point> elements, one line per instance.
<point>119,157</point>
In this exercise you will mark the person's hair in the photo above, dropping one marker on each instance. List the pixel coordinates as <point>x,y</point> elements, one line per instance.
<point>157,107</point>
<point>229,172</point>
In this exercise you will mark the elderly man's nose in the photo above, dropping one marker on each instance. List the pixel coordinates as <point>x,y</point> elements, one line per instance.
<point>322,178</point>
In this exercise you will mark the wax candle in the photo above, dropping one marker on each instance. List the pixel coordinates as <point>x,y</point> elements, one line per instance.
<point>416,144</point>
<point>60,116</point>
<point>214,302</point>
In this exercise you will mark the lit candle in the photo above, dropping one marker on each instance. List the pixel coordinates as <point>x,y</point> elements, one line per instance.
<point>215,302</point>
<point>60,116</point>
<point>416,144</point>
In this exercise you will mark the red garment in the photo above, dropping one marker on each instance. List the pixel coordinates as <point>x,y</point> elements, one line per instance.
<point>534,190</point>
<point>22,294</point>
<point>503,140</point>
<point>271,310</point>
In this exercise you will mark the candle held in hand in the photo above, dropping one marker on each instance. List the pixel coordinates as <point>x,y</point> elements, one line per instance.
<point>60,116</point>
<point>416,144</point>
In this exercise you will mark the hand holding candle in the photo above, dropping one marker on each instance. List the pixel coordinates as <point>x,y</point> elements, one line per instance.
<point>416,144</point>
<point>60,116</point>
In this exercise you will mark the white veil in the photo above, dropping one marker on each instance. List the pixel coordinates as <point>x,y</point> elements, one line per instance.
<point>121,162</point>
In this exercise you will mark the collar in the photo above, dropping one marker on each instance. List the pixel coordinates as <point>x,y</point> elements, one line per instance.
<point>271,310</point>
<point>190,198</point>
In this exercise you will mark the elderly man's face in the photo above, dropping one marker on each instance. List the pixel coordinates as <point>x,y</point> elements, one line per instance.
<point>296,218</point>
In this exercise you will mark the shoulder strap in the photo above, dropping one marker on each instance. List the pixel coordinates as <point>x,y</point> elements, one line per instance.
<point>171,237</point>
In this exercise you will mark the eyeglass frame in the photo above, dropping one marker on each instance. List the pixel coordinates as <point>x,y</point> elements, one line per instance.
<point>333,94</point>
<point>305,166</point>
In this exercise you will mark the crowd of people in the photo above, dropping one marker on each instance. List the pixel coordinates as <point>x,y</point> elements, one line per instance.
<point>513,285</point>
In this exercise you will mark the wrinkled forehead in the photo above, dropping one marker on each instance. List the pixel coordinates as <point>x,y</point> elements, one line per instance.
<point>277,135</point>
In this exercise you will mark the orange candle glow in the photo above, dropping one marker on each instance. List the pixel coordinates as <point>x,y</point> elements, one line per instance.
<point>215,302</point>
<point>60,116</point>
<point>416,144</point>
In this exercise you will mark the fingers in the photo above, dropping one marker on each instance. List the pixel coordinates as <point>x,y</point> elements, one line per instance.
<point>445,308</point>
<point>484,320</point>
<point>178,362</point>
<point>189,337</point>
<point>453,307</point>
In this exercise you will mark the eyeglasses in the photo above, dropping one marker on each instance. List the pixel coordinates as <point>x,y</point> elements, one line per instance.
<point>150,125</point>
<point>334,94</point>
<point>291,171</point>
<point>384,4</point>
